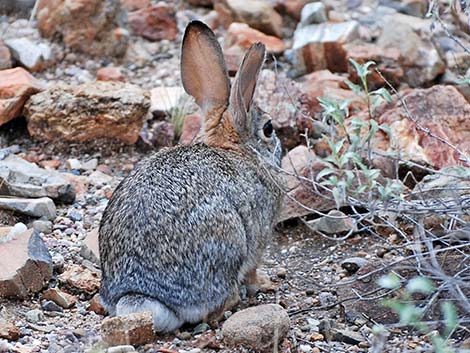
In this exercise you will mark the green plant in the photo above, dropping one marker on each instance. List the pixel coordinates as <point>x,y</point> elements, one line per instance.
<point>410,314</point>
<point>350,140</point>
<point>177,113</point>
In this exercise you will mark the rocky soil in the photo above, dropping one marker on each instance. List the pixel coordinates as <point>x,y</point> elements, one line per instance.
<point>88,88</point>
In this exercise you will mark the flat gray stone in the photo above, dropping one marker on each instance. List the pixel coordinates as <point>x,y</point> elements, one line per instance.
<point>19,177</point>
<point>42,207</point>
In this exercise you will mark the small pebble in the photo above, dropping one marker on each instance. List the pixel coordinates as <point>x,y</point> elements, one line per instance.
<point>201,328</point>
<point>282,272</point>
<point>48,305</point>
<point>34,316</point>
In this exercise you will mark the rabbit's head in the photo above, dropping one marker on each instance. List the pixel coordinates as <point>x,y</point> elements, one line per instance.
<point>232,121</point>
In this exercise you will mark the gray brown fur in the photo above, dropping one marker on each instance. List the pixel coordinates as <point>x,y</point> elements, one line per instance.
<point>184,228</point>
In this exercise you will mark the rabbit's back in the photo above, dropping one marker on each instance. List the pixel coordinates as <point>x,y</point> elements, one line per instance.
<point>184,225</point>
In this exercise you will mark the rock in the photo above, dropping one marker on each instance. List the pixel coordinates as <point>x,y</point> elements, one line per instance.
<point>41,207</point>
<point>191,127</point>
<point>59,297</point>
<point>416,8</point>
<point>34,316</point>
<point>260,328</point>
<point>155,22</point>
<point>453,182</point>
<point>50,306</point>
<point>292,8</point>
<point>9,331</point>
<point>243,36</point>
<point>421,60</point>
<point>323,83</point>
<point>81,278</point>
<point>132,5</point>
<point>42,226</point>
<point>91,164</point>
<point>313,13</point>
<point>96,305</point>
<point>73,164</point>
<point>25,265</point>
<point>110,73</point>
<point>165,99</point>
<point>200,2</point>
<point>301,197</point>
<point>16,86</point>
<point>388,62</point>
<point>336,222</point>
<point>5,56</point>
<point>8,233</point>
<point>121,349</point>
<point>233,58</point>
<point>258,14</point>
<point>353,264</point>
<point>347,336</point>
<point>19,177</point>
<point>88,26</point>
<point>89,249</point>
<point>99,178</point>
<point>16,7</point>
<point>33,56</point>
<point>440,109</point>
<point>320,46</point>
<point>135,329</point>
<point>87,112</point>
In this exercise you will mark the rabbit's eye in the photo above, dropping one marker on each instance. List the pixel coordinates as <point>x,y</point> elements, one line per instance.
<point>268,129</point>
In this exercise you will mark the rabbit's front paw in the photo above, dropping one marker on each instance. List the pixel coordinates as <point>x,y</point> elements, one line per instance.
<point>258,281</point>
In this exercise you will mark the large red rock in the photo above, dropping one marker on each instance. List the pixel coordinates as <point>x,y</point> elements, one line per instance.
<point>324,83</point>
<point>243,36</point>
<point>16,86</point>
<point>154,22</point>
<point>438,117</point>
<point>302,165</point>
<point>25,265</point>
<point>258,14</point>
<point>388,61</point>
<point>89,26</point>
<point>87,112</point>
<point>321,46</point>
<point>135,329</point>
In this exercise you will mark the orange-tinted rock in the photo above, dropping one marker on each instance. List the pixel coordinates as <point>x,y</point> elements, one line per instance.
<point>110,73</point>
<point>440,109</point>
<point>154,22</point>
<point>258,14</point>
<point>9,331</point>
<point>25,265</point>
<point>388,62</point>
<point>323,83</point>
<point>89,26</point>
<point>243,36</point>
<point>292,8</point>
<point>89,111</point>
<point>59,297</point>
<point>321,46</point>
<point>81,279</point>
<point>191,126</point>
<point>132,5</point>
<point>96,306</point>
<point>134,329</point>
<point>16,86</point>
<point>89,249</point>
<point>302,197</point>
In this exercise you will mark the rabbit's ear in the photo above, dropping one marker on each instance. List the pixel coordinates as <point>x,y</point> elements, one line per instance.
<point>245,84</point>
<point>203,69</point>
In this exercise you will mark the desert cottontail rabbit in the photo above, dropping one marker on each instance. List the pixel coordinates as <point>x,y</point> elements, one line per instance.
<point>189,224</point>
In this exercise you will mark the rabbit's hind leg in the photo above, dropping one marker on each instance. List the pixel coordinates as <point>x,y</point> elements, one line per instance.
<point>164,319</point>
<point>258,281</point>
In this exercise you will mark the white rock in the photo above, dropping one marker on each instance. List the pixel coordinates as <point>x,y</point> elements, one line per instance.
<point>314,12</point>
<point>28,53</point>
